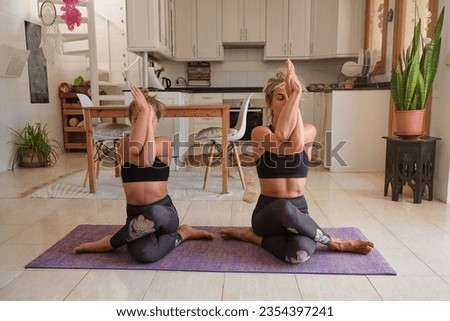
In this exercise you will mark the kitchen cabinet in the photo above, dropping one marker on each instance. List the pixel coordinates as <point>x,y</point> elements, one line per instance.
<point>337,28</point>
<point>197,27</point>
<point>244,21</point>
<point>199,123</point>
<point>148,27</point>
<point>288,29</point>
<point>355,122</point>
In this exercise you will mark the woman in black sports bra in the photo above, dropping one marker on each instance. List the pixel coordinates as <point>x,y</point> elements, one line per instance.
<point>280,222</point>
<point>152,226</point>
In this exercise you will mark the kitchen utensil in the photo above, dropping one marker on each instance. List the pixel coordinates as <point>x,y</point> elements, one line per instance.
<point>166,82</point>
<point>374,61</point>
<point>153,81</point>
<point>367,62</point>
<point>361,57</point>
<point>351,69</point>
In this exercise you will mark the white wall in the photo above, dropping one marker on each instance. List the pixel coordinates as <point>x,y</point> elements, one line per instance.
<point>440,113</point>
<point>15,107</point>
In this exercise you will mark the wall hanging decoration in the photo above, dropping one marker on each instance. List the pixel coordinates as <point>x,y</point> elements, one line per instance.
<point>51,39</point>
<point>37,66</point>
<point>71,15</point>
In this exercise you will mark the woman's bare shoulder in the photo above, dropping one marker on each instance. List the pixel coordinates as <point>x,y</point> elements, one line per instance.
<point>259,132</point>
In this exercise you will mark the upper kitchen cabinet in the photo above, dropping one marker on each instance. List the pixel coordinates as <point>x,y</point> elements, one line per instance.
<point>197,27</point>
<point>337,28</point>
<point>148,27</point>
<point>244,22</point>
<point>287,29</point>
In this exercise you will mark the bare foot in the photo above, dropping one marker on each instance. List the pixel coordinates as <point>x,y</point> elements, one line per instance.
<point>189,233</point>
<point>246,235</point>
<point>102,245</point>
<point>357,246</point>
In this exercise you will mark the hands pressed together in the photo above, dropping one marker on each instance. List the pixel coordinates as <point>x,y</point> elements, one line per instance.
<point>141,103</point>
<point>292,82</point>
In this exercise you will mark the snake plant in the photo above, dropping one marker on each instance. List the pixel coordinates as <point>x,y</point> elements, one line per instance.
<point>412,79</point>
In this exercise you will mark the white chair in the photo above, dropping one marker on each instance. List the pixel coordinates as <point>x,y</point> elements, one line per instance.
<point>106,136</point>
<point>214,135</point>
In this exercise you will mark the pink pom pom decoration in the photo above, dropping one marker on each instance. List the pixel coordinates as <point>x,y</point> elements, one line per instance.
<point>72,16</point>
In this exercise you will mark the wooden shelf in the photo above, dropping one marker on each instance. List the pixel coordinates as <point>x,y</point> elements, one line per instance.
<point>73,129</point>
<point>74,136</point>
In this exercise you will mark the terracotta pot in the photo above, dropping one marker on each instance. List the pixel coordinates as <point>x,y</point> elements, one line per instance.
<point>409,122</point>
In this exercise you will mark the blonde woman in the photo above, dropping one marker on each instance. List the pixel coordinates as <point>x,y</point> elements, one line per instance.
<point>152,226</point>
<point>280,221</point>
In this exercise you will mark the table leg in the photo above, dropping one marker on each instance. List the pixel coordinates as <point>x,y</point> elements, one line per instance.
<point>90,150</point>
<point>225,126</point>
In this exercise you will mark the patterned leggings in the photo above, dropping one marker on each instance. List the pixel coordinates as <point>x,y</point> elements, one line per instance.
<point>288,232</point>
<point>150,231</point>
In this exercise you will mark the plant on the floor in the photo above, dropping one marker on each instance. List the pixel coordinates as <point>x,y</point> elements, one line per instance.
<point>34,148</point>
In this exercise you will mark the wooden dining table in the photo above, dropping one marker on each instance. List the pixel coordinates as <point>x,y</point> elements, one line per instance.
<point>121,111</point>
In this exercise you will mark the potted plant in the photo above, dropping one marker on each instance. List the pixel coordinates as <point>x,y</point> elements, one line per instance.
<point>34,148</point>
<point>412,79</point>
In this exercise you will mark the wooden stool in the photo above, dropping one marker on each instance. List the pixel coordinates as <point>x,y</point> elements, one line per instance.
<point>411,162</point>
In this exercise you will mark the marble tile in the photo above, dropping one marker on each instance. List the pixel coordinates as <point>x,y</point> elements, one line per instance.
<point>41,234</point>
<point>411,288</point>
<point>112,285</point>
<point>336,288</point>
<point>209,213</point>
<point>260,287</point>
<point>38,285</point>
<point>185,286</point>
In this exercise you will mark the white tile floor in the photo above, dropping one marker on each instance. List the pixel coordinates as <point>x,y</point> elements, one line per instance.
<point>414,239</point>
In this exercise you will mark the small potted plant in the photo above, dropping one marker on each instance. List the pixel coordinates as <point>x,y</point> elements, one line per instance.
<point>412,79</point>
<point>34,148</point>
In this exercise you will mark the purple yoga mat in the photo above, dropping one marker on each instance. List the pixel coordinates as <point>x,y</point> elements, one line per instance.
<point>217,255</point>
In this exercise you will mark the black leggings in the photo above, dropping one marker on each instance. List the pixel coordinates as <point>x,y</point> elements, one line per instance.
<point>288,232</point>
<point>150,231</point>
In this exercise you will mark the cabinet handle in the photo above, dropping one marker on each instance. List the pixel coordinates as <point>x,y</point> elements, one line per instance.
<point>193,50</point>
<point>240,35</point>
<point>285,49</point>
<point>246,38</point>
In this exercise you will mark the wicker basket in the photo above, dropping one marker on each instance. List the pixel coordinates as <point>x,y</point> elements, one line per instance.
<point>82,89</point>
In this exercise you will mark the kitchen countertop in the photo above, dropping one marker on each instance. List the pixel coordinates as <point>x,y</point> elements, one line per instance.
<point>207,89</point>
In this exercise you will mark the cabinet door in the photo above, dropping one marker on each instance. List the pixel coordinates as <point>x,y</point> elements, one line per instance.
<point>142,22</point>
<point>244,21</point>
<point>254,21</point>
<point>164,26</point>
<point>324,28</point>
<point>276,29</point>
<point>184,29</point>
<point>350,28</point>
<point>232,21</point>
<point>337,28</point>
<point>299,29</point>
<point>209,30</point>
<point>197,30</point>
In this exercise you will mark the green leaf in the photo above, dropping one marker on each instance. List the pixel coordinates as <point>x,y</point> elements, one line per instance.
<point>413,77</point>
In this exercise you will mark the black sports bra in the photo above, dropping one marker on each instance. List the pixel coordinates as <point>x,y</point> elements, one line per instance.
<point>271,165</point>
<point>159,172</point>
